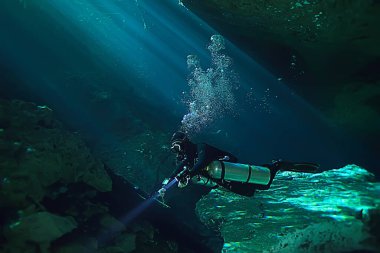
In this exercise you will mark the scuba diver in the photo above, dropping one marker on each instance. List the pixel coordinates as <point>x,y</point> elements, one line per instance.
<point>207,165</point>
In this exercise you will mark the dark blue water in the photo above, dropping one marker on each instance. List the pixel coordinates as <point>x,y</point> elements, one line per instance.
<point>99,64</point>
<point>125,75</point>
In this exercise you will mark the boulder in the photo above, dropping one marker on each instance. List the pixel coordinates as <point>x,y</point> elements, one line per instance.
<point>37,152</point>
<point>39,228</point>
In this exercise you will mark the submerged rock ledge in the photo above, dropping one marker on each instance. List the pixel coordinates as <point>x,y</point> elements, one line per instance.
<point>56,196</point>
<point>333,211</point>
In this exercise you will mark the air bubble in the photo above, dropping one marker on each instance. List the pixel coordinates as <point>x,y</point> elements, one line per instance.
<point>211,90</point>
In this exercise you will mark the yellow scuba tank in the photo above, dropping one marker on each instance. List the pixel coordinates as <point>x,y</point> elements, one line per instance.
<point>221,170</point>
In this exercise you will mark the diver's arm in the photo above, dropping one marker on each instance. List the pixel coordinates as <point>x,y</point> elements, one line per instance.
<point>202,160</point>
<point>179,168</point>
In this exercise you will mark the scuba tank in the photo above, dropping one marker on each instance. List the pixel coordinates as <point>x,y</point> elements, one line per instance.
<point>244,173</point>
<point>252,174</point>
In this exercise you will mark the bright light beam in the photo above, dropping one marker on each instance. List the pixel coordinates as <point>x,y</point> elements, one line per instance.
<point>133,214</point>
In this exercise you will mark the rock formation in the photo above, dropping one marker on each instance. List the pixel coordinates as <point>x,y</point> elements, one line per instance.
<point>333,211</point>
<point>327,51</point>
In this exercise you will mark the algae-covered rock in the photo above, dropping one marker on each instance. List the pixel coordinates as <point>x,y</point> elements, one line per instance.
<point>320,30</point>
<point>331,236</point>
<point>36,152</point>
<point>40,228</point>
<point>325,212</point>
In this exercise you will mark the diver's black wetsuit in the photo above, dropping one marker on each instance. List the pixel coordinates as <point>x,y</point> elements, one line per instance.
<point>198,156</point>
<point>194,158</point>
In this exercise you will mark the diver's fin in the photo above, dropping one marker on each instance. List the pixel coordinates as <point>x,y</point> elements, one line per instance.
<point>299,167</point>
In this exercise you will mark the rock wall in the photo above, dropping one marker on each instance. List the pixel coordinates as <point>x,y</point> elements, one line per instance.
<point>327,51</point>
<point>56,197</point>
<point>36,153</point>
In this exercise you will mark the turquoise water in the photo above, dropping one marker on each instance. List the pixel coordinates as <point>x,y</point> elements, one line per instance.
<point>96,63</point>
<point>92,90</point>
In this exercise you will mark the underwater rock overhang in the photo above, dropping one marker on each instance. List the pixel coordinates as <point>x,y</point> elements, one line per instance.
<point>335,44</point>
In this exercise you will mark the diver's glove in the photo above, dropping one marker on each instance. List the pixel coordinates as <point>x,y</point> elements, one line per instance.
<point>161,192</point>
<point>183,177</point>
